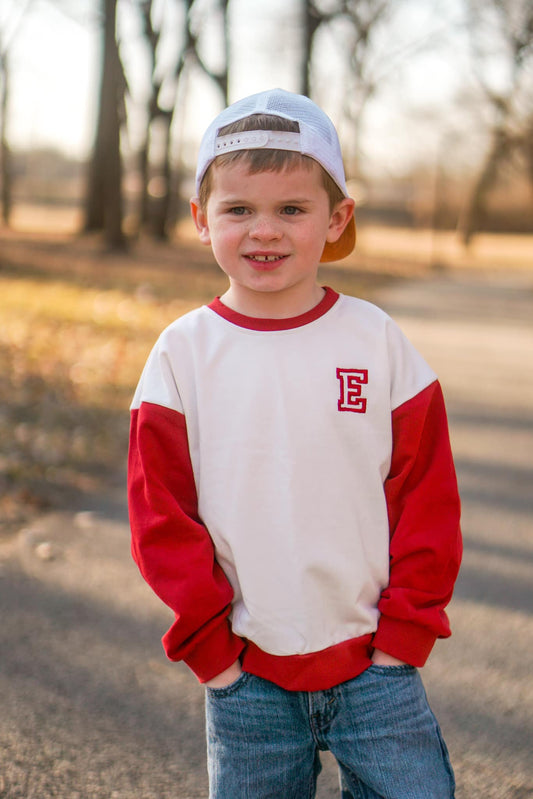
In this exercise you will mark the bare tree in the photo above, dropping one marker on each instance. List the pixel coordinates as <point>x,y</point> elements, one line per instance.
<point>10,25</point>
<point>360,18</point>
<point>155,162</point>
<point>104,207</point>
<point>152,37</point>
<point>365,18</point>
<point>354,25</point>
<point>5,151</point>
<point>312,19</point>
<point>528,147</point>
<point>501,33</point>
<point>159,180</point>
<point>201,12</point>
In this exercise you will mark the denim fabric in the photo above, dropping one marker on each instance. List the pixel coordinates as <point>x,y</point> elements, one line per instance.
<point>264,741</point>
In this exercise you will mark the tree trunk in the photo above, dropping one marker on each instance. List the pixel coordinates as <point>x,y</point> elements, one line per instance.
<point>477,207</point>
<point>528,147</point>
<point>5,152</point>
<point>104,197</point>
<point>310,24</point>
<point>224,78</point>
<point>161,204</point>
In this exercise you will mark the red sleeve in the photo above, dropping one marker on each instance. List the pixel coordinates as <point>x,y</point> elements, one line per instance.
<point>425,547</point>
<point>172,547</point>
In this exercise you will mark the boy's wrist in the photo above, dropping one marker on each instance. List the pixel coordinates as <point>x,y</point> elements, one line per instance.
<point>226,677</point>
<point>380,658</point>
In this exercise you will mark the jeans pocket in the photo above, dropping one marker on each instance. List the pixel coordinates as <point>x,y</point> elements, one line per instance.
<point>404,668</point>
<point>227,690</point>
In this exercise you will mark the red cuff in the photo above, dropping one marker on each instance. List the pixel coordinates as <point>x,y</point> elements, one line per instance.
<point>212,655</point>
<point>404,640</point>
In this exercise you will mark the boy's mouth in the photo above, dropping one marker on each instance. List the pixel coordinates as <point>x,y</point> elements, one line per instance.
<point>265,259</point>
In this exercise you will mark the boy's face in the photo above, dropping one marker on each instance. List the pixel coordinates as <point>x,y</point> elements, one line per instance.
<point>267,232</point>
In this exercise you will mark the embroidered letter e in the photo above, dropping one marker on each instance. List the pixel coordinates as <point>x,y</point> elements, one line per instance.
<point>351,381</point>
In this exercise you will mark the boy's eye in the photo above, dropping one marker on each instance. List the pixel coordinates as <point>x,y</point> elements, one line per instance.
<point>238,210</point>
<point>291,210</point>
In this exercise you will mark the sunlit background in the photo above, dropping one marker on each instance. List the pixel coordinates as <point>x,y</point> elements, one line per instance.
<point>102,105</point>
<point>433,99</point>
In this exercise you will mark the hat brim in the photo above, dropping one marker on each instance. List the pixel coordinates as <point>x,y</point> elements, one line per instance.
<point>335,250</point>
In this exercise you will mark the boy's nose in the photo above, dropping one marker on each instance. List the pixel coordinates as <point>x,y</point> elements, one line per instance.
<point>265,228</point>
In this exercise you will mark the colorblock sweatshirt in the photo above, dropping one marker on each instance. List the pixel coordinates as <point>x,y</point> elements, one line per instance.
<point>292,492</point>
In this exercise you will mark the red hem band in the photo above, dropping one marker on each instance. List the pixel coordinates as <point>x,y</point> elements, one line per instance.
<point>316,671</point>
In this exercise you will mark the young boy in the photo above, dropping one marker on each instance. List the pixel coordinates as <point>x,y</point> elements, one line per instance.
<point>292,491</point>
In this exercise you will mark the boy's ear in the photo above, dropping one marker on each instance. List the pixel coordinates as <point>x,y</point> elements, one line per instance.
<point>200,220</point>
<point>341,215</point>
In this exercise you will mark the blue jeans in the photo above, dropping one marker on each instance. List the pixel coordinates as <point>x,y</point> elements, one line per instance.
<point>263,741</point>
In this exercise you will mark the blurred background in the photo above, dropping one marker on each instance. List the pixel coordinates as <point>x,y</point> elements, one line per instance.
<point>102,106</point>
<point>103,103</point>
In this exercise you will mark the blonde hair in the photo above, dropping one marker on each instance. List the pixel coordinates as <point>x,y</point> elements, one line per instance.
<point>260,160</point>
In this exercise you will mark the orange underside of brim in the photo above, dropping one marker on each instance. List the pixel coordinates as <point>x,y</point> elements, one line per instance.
<point>335,250</point>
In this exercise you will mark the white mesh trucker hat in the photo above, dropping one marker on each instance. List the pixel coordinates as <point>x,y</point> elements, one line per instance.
<point>317,139</point>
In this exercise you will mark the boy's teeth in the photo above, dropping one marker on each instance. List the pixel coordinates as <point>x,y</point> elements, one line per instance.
<point>266,257</point>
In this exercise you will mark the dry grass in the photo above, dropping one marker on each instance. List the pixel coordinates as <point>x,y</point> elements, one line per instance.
<point>76,328</point>
<point>488,251</point>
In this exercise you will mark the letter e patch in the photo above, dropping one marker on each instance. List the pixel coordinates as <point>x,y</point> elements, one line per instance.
<point>351,381</point>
